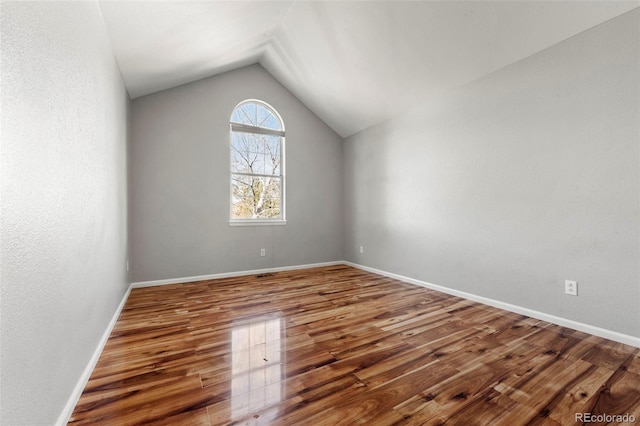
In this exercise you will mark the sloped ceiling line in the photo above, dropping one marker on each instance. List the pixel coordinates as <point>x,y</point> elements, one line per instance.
<point>353,63</point>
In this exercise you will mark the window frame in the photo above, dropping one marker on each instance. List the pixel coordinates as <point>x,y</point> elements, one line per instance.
<point>235,127</point>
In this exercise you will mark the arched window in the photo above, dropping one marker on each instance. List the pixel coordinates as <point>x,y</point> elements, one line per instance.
<point>257,165</point>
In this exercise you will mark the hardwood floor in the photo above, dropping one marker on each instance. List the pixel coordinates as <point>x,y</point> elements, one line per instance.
<point>340,346</point>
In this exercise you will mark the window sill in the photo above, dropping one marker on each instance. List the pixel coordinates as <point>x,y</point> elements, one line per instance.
<point>257,222</point>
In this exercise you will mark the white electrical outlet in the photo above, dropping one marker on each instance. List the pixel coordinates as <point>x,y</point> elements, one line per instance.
<point>263,252</point>
<point>361,249</point>
<point>571,287</point>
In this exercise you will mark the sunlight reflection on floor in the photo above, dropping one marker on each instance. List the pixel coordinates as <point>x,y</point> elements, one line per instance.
<point>256,366</point>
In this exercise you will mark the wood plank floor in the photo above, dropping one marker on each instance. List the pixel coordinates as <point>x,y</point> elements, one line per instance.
<point>340,346</point>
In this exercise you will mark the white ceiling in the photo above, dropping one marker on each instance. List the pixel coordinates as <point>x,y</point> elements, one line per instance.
<point>354,63</point>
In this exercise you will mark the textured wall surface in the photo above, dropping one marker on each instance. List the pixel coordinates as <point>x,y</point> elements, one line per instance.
<point>180,182</point>
<point>64,206</point>
<point>514,183</point>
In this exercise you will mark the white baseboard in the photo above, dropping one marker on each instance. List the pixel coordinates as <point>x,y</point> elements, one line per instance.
<point>64,417</point>
<point>586,328</point>
<point>231,274</point>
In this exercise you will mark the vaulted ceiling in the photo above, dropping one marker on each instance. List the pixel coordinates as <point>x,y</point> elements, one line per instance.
<point>354,63</point>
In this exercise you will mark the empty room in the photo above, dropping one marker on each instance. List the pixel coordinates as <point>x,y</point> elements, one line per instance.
<point>319,212</point>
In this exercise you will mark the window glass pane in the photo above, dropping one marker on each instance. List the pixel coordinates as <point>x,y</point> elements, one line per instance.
<point>246,114</point>
<point>253,153</point>
<point>240,155</point>
<point>245,153</point>
<point>255,197</point>
<point>272,155</point>
<point>267,119</point>
<point>254,114</point>
<point>241,197</point>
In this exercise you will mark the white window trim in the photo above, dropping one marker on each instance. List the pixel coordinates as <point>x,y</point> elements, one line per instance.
<point>240,127</point>
<point>257,222</point>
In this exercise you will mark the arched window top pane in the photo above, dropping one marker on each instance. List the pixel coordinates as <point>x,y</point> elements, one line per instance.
<point>257,114</point>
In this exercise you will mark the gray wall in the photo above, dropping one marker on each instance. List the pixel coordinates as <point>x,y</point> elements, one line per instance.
<point>64,201</point>
<point>180,182</point>
<point>514,183</point>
